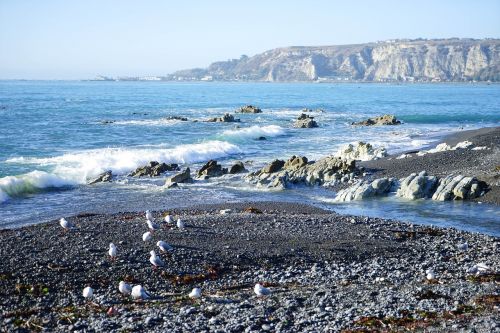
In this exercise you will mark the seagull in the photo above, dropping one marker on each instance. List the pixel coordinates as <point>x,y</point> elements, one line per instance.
<point>195,293</point>
<point>146,236</point>
<point>88,292</point>
<point>66,225</point>
<point>155,260</point>
<point>478,269</point>
<point>180,224</point>
<point>164,247</point>
<point>168,219</point>
<point>152,226</point>
<point>430,274</point>
<point>149,216</point>
<point>261,290</point>
<point>124,288</point>
<point>139,292</point>
<point>463,247</point>
<point>112,251</point>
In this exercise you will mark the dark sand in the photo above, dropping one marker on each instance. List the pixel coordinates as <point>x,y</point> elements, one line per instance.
<point>324,271</point>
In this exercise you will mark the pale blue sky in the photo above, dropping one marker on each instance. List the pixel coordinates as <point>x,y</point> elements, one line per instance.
<point>66,39</point>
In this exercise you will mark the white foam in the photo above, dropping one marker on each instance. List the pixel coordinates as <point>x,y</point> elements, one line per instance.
<point>79,166</point>
<point>254,132</point>
<point>33,181</point>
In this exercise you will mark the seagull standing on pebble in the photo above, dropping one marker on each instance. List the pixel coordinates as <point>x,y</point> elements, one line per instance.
<point>260,290</point>
<point>146,236</point>
<point>155,260</point>
<point>149,216</point>
<point>112,251</point>
<point>138,292</point>
<point>180,224</point>
<point>463,246</point>
<point>66,225</point>
<point>124,288</point>
<point>430,274</point>
<point>88,292</point>
<point>164,246</point>
<point>168,219</point>
<point>195,293</point>
<point>152,226</point>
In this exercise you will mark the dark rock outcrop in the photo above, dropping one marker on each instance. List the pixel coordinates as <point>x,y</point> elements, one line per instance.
<point>182,177</point>
<point>305,121</point>
<point>249,109</point>
<point>177,118</point>
<point>237,167</point>
<point>211,169</point>
<point>154,169</point>
<point>387,119</point>
<point>298,170</point>
<point>226,118</point>
<point>106,176</point>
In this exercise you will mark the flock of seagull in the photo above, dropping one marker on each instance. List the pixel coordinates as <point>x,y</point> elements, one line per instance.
<point>138,292</point>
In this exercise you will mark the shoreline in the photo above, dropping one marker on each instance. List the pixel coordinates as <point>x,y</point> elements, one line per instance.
<point>326,272</point>
<point>475,163</point>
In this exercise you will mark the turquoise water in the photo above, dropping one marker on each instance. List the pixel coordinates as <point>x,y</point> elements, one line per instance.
<point>53,138</point>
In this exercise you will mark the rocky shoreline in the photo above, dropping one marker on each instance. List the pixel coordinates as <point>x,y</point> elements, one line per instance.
<point>326,272</point>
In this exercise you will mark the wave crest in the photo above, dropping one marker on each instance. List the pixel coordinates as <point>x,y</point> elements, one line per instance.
<point>254,132</point>
<point>34,181</point>
<point>76,168</point>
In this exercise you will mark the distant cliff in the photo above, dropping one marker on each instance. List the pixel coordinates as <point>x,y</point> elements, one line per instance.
<point>398,60</point>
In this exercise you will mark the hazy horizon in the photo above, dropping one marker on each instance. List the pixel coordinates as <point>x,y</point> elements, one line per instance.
<point>59,40</point>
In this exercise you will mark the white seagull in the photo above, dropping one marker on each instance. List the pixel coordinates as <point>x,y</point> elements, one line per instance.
<point>164,246</point>
<point>155,260</point>
<point>88,292</point>
<point>463,246</point>
<point>152,226</point>
<point>168,219</point>
<point>112,251</point>
<point>146,236</point>
<point>138,292</point>
<point>478,269</point>
<point>195,293</point>
<point>149,216</point>
<point>66,225</point>
<point>180,224</point>
<point>124,288</point>
<point>430,274</point>
<point>260,290</point>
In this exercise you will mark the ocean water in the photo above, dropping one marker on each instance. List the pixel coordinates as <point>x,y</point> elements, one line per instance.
<point>54,135</point>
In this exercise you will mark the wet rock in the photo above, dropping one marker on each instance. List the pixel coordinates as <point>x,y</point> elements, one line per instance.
<point>226,118</point>
<point>237,167</point>
<point>249,109</point>
<point>171,185</point>
<point>386,119</point>
<point>261,138</point>
<point>361,151</point>
<point>182,177</point>
<point>211,169</point>
<point>417,186</point>
<point>298,170</point>
<point>459,188</point>
<point>363,190</point>
<point>153,169</point>
<point>305,121</point>
<point>177,118</point>
<point>103,177</point>
<point>274,166</point>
